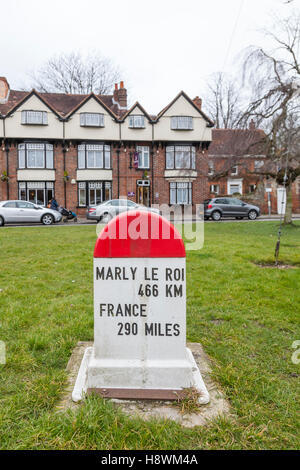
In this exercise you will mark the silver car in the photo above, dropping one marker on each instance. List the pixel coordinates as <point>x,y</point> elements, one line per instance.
<point>14,212</point>
<point>107,210</point>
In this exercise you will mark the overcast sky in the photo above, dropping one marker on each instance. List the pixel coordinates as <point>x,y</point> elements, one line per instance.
<point>162,46</point>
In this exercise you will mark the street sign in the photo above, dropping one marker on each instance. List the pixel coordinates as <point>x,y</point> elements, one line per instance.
<point>139,313</point>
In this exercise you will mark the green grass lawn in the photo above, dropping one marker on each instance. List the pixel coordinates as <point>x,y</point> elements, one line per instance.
<point>246,317</point>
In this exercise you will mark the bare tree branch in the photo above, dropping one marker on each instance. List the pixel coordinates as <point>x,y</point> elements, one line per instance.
<point>73,73</point>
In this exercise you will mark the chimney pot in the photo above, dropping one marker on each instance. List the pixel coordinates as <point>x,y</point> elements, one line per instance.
<point>116,86</point>
<point>198,102</point>
<point>121,84</point>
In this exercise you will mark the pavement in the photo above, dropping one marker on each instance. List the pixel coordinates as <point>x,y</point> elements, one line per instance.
<point>86,222</point>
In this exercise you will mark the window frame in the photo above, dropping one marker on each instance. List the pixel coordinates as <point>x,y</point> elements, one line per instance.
<point>189,189</point>
<point>212,190</point>
<point>47,186</point>
<point>143,147</point>
<point>25,121</point>
<point>83,119</point>
<point>134,116</point>
<point>85,185</point>
<point>190,120</point>
<point>45,151</point>
<point>192,157</point>
<point>236,172</point>
<point>104,150</point>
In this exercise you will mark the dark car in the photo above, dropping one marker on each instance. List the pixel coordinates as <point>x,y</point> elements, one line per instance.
<point>219,207</point>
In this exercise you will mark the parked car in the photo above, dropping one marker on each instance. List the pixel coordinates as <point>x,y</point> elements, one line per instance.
<point>15,212</point>
<point>219,207</point>
<point>107,210</point>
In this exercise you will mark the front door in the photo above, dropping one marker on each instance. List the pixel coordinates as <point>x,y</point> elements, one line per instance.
<point>143,195</point>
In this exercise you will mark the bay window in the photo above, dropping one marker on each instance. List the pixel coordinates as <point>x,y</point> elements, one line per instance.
<point>180,193</point>
<point>35,155</point>
<point>91,193</point>
<point>94,156</point>
<point>38,192</point>
<point>181,157</point>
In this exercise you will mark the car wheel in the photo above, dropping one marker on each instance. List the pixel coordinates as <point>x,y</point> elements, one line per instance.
<point>252,215</point>
<point>216,215</point>
<point>106,217</point>
<point>1,221</point>
<point>47,219</point>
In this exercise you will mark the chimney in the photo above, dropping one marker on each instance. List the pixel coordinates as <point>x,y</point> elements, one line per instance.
<point>198,102</point>
<point>4,90</point>
<point>120,96</point>
<point>252,126</point>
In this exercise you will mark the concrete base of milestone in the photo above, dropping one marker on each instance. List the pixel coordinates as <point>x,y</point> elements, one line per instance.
<point>153,408</point>
<point>159,380</point>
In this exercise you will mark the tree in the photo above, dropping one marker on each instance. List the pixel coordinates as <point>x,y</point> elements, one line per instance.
<point>275,103</point>
<point>74,73</point>
<point>223,101</point>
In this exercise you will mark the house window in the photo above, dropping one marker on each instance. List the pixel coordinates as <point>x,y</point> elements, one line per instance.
<point>215,188</point>
<point>258,164</point>
<point>91,193</point>
<point>35,155</point>
<point>180,193</point>
<point>234,170</point>
<point>144,156</point>
<point>234,188</point>
<point>180,157</point>
<point>137,122</point>
<point>211,168</point>
<point>94,156</point>
<point>34,117</point>
<point>252,188</point>
<point>38,192</point>
<point>182,123</point>
<point>92,119</point>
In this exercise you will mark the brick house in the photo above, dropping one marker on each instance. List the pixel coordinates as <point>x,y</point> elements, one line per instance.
<point>84,149</point>
<point>235,159</point>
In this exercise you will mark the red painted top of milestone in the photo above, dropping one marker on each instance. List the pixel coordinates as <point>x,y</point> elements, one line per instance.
<point>139,234</point>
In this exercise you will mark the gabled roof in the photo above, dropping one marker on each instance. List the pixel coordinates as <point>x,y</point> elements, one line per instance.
<point>182,93</point>
<point>62,104</point>
<point>99,99</point>
<point>136,105</point>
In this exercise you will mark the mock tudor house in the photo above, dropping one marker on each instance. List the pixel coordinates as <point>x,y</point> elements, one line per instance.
<point>85,149</point>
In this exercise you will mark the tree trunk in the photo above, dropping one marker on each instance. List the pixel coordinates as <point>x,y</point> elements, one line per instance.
<point>289,205</point>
